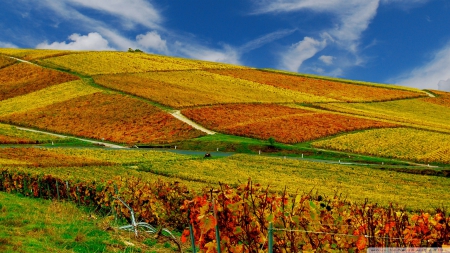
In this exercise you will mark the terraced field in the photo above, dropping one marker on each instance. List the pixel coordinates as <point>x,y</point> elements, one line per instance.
<point>331,89</point>
<point>402,143</point>
<point>180,89</point>
<point>285,124</point>
<point>110,117</point>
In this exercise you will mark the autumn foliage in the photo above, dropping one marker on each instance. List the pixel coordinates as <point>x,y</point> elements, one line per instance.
<point>111,117</point>
<point>302,222</point>
<point>443,98</point>
<point>319,87</point>
<point>23,78</point>
<point>285,124</point>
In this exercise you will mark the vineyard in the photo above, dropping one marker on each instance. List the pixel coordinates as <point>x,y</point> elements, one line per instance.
<point>95,63</point>
<point>122,120</point>
<point>402,143</point>
<point>45,97</point>
<point>318,87</point>
<point>284,124</point>
<point>416,112</point>
<point>377,196</point>
<point>20,79</point>
<point>195,88</point>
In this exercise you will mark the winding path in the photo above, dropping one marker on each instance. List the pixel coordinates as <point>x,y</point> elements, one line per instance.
<point>108,145</point>
<point>178,115</point>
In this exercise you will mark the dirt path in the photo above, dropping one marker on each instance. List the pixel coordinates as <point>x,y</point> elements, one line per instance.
<point>178,115</point>
<point>105,144</point>
<point>430,94</point>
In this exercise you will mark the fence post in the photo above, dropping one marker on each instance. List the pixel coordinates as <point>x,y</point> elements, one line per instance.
<point>57,189</point>
<point>270,237</point>
<point>217,226</point>
<point>191,233</point>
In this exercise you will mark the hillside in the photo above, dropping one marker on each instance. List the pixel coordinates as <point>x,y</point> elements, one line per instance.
<point>353,164</point>
<point>127,97</point>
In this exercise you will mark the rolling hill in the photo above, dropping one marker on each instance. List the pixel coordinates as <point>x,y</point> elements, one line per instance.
<point>372,160</point>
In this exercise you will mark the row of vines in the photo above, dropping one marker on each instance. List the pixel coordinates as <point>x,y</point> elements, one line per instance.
<point>302,222</point>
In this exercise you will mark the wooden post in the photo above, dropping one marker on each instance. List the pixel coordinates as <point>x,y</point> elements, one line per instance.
<point>270,235</point>
<point>217,226</point>
<point>191,233</point>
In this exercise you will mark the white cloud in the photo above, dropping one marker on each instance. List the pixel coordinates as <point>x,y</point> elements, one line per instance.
<point>227,54</point>
<point>92,41</point>
<point>444,85</point>
<point>152,40</point>
<point>327,59</point>
<point>293,58</point>
<point>430,74</point>
<point>7,45</point>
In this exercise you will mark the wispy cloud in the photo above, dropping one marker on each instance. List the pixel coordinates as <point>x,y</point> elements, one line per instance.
<point>227,53</point>
<point>7,45</point>
<point>265,39</point>
<point>135,11</point>
<point>327,59</point>
<point>350,19</point>
<point>293,58</point>
<point>92,41</point>
<point>434,74</point>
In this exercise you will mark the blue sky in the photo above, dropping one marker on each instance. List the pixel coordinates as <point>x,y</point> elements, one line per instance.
<point>405,42</point>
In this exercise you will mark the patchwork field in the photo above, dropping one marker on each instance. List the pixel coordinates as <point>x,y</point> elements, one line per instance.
<point>319,87</point>
<point>354,182</point>
<point>110,117</point>
<point>402,143</point>
<point>22,78</point>
<point>285,124</point>
<point>195,88</point>
<point>413,112</point>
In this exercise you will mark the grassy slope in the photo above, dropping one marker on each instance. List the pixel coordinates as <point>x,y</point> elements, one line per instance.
<point>36,225</point>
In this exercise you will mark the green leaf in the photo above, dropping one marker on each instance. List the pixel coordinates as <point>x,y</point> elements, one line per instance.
<point>312,204</point>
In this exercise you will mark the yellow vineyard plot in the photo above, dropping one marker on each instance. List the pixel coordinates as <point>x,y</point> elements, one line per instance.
<point>402,143</point>
<point>94,63</point>
<point>33,54</point>
<point>411,112</point>
<point>45,97</point>
<point>195,87</point>
<point>354,182</point>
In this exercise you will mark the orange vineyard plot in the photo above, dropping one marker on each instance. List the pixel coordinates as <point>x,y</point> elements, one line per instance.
<point>285,124</point>
<point>403,143</point>
<point>6,61</point>
<point>111,117</point>
<point>23,78</point>
<point>195,87</point>
<point>330,89</point>
<point>45,158</point>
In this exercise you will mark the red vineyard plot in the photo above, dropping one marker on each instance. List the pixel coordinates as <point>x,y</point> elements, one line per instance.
<point>110,117</point>
<point>20,79</point>
<point>318,87</point>
<point>285,124</point>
